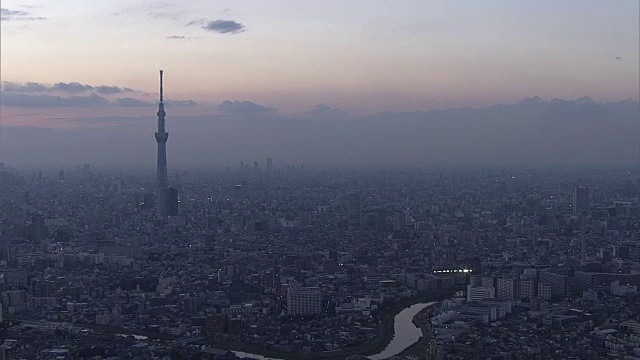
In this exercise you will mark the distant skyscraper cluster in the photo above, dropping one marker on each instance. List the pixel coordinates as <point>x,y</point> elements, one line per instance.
<point>256,166</point>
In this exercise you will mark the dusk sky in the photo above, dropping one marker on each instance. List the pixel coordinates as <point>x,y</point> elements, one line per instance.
<point>68,60</point>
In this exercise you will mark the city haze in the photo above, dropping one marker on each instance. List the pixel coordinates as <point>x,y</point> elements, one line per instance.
<point>533,132</point>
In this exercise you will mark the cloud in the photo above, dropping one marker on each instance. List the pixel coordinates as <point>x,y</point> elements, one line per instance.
<point>26,114</point>
<point>180,103</point>
<point>17,15</point>
<point>528,133</point>
<point>323,109</point>
<point>23,88</point>
<point>62,87</point>
<point>243,108</point>
<point>182,37</point>
<point>225,27</point>
<point>106,89</point>
<point>44,101</point>
<point>5,13</point>
<point>200,22</point>
<point>73,87</point>
<point>23,98</point>
<point>163,15</point>
<point>131,102</point>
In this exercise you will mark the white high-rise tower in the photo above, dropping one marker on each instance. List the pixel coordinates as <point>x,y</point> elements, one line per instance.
<point>161,139</point>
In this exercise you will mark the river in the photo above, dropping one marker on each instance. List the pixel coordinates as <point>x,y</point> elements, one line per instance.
<point>405,334</point>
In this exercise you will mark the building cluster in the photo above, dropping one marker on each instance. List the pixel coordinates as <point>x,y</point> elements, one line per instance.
<point>297,260</point>
<point>586,311</point>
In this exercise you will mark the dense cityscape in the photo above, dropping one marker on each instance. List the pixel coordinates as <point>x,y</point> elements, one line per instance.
<point>330,180</point>
<point>291,262</point>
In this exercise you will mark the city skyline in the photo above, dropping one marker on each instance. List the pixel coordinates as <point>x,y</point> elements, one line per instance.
<point>362,58</point>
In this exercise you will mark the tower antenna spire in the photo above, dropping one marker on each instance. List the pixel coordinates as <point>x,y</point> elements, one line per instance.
<point>161,138</point>
<point>161,85</point>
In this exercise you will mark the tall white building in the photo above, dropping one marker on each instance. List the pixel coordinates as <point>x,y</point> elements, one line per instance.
<point>304,300</point>
<point>162,181</point>
<point>477,293</point>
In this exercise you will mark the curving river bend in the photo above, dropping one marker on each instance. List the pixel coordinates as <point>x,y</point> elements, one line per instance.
<point>405,334</point>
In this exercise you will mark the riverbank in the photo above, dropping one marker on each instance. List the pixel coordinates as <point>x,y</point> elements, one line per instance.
<point>385,334</point>
<point>422,321</point>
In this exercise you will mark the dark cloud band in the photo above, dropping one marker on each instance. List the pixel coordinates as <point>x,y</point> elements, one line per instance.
<point>62,87</point>
<point>243,108</point>
<point>17,15</point>
<point>94,100</point>
<point>224,26</point>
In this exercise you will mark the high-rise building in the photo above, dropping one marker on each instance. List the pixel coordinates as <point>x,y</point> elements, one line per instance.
<point>38,228</point>
<point>527,288</point>
<point>61,175</point>
<point>148,201</point>
<point>354,211</point>
<point>505,289</point>
<point>269,164</point>
<point>544,291</point>
<point>172,201</point>
<point>580,200</point>
<point>477,293</point>
<point>581,208</point>
<point>487,281</point>
<point>304,300</point>
<point>381,220</point>
<point>161,138</point>
<point>14,278</point>
<point>559,285</point>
